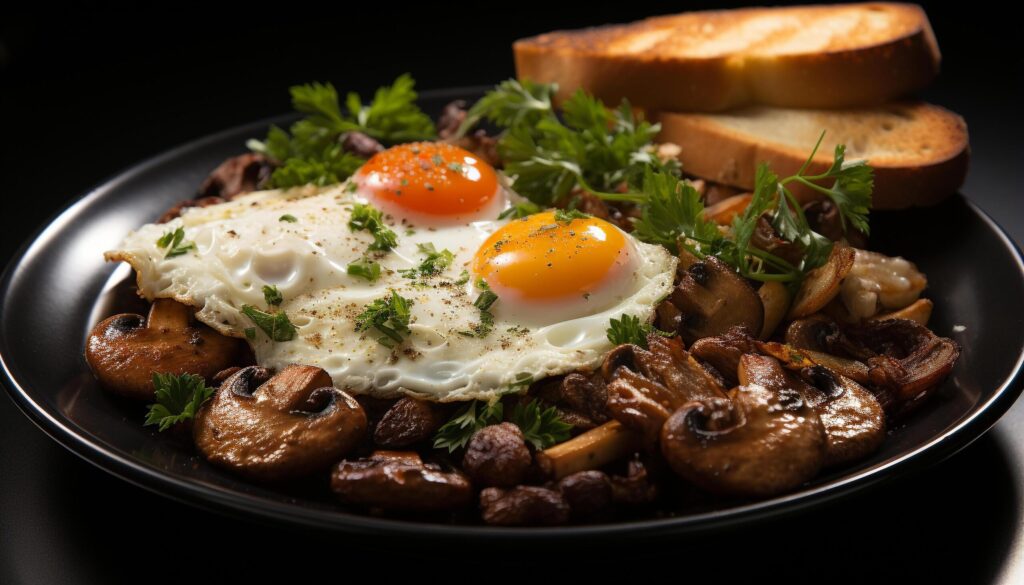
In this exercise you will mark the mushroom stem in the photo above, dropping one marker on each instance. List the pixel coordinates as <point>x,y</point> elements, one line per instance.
<point>590,450</point>
<point>168,314</point>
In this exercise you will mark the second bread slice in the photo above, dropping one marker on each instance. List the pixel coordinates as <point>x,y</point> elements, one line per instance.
<point>919,151</point>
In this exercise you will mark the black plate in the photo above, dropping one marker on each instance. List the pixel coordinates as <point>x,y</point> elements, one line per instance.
<point>58,286</point>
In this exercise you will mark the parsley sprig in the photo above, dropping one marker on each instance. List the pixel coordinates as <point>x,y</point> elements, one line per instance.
<point>389,316</point>
<point>589,147</point>
<point>476,415</point>
<point>276,325</point>
<point>310,152</point>
<point>629,329</point>
<point>178,398</point>
<point>540,427</point>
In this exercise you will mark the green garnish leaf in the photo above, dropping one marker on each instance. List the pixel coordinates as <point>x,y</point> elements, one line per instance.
<point>476,415</point>
<point>567,215</point>
<point>310,153</point>
<point>389,316</point>
<point>435,262</point>
<point>672,211</point>
<point>288,218</point>
<point>628,329</point>
<point>485,300</point>
<point>178,398</point>
<point>175,243</point>
<point>366,217</point>
<point>463,278</point>
<point>272,295</point>
<point>364,268</point>
<point>542,428</point>
<point>277,326</point>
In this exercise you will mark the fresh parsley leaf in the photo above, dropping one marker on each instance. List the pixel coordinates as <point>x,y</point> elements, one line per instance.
<point>272,295</point>
<point>389,316</point>
<point>435,262</point>
<point>476,415</point>
<point>277,326</point>
<point>590,147</point>
<point>178,398</point>
<point>175,243</point>
<point>463,278</point>
<point>485,300</point>
<point>366,217</point>
<point>567,215</point>
<point>364,268</point>
<point>288,218</point>
<point>673,210</point>
<point>520,210</point>
<point>310,152</point>
<point>628,329</point>
<point>851,191</point>
<point>542,428</point>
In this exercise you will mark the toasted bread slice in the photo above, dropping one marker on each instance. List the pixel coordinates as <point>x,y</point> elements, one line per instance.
<point>803,57</point>
<point>919,151</point>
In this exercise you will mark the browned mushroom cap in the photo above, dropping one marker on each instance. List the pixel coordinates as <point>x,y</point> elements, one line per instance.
<point>910,360</point>
<point>646,386</point>
<point>853,419</point>
<point>524,505</point>
<point>407,422</point>
<point>124,351</point>
<point>723,352</point>
<point>709,299</point>
<point>272,430</point>
<point>400,481</point>
<point>764,441</point>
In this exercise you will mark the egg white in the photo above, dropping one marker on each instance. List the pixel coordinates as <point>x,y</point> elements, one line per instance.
<point>243,245</point>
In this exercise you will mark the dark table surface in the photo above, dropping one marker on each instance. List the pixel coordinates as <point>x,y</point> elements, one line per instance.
<point>86,96</point>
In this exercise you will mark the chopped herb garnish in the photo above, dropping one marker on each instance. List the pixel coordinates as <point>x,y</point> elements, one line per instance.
<point>476,415</point>
<point>272,295</point>
<point>389,316</point>
<point>483,302</point>
<point>364,268</point>
<point>250,333</point>
<point>277,326</point>
<point>366,217</point>
<point>629,329</point>
<point>175,243</point>
<point>288,217</point>
<point>463,278</point>
<point>178,398</point>
<point>435,262</point>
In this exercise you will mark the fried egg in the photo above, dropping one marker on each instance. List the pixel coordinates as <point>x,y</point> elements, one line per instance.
<point>558,283</point>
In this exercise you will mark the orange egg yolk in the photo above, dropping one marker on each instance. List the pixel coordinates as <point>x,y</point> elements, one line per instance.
<point>540,258</point>
<point>431,179</point>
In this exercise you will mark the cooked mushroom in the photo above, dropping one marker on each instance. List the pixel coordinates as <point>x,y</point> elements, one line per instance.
<point>823,283</point>
<point>581,399</point>
<point>238,175</point>
<point>523,506</point>
<point>763,441</point>
<point>709,299</point>
<point>775,298</point>
<point>588,493</point>
<point>124,351</point>
<point>920,312</point>
<point>646,386</point>
<point>292,424</point>
<point>853,419</point>
<point>819,339</point>
<point>637,487</point>
<point>400,481</point>
<point>723,352</point>
<point>407,422</point>
<point>497,456</point>
<point>909,359</point>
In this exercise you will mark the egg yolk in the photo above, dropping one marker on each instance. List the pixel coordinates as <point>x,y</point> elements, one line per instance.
<point>430,179</point>
<point>539,258</point>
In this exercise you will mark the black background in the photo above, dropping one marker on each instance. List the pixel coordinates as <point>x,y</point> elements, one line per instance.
<point>89,91</point>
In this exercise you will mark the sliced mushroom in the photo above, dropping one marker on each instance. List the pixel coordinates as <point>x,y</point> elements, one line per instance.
<point>580,398</point>
<point>292,424</point>
<point>124,351</point>
<point>823,283</point>
<point>723,352</point>
<point>775,298</point>
<point>853,418</point>
<point>590,450</point>
<point>238,175</point>
<point>646,386</point>
<point>709,299</point>
<point>920,312</point>
<point>400,481</point>
<point>763,441</point>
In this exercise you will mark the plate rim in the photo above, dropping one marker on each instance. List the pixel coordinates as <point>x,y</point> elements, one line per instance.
<point>248,506</point>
